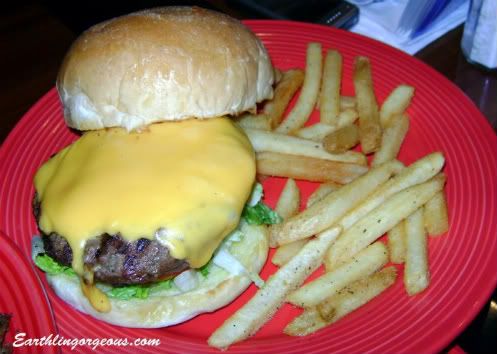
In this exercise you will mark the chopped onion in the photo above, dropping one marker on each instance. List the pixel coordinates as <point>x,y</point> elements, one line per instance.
<point>256,195</point>
<point>186,281</point>
<point>228,262</point>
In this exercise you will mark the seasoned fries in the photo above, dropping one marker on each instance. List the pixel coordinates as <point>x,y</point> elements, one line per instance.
<point>268,299</point>
<point>416,274</point>
<point>285,252</point>
<point>396,103</point>
<point>309,93</point>
<point>318,131</point>
<point>331,208</point>
<point>329,100</point>
<point>436,216</point>
<point>363,264</point>
<point>289,202</point>
<point>393,136</point>
<point>369,117</point>
<point>323,190</point>
<point>381,220</point>
<point>284,144</point>
<point>347,102</point>
<point>286,88</point>
<point>253,121</point>
<point>306,168</point>
<point>341,140</point>
<point>397,243</point>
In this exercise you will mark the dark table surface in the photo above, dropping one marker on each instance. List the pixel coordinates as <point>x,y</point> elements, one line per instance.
<point>34,37</point>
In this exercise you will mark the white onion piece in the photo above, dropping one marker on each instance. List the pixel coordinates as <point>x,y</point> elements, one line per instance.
<point>228,262</point>
<point>186,281</point>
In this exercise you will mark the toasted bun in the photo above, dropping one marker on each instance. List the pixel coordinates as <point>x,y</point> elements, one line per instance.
<point>216,290</point>
<point>168,63</point>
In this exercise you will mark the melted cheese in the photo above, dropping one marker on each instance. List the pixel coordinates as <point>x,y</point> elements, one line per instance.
<point>184,183</point>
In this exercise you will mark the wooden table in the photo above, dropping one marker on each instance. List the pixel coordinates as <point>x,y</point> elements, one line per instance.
<point>34,39</point>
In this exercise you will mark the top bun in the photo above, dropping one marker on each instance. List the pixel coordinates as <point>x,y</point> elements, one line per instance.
<point>168,63</point>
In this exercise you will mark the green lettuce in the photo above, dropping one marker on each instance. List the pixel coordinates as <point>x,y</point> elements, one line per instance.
<point>260,214</point>
<point>50,266</point>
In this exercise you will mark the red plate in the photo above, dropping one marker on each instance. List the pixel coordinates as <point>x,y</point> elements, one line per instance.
<point>462,263</point>
<point>23,297</point>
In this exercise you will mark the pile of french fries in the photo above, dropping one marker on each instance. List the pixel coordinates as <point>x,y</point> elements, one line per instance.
<point>342,225</point>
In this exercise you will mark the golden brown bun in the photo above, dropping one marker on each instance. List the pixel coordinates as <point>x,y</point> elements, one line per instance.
<point>216,290</point>
<point>168,63</point>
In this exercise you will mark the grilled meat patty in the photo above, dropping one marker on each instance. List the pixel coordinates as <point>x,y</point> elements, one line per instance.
<point>115,260</point>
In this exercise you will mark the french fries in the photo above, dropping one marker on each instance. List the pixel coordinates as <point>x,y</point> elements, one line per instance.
<point>318,131</point>
<point>416,274</point>
<point>307,168</point>
<point>331,208</point>
<point>329,100</point>
<point>285,252</point>
<point>396,103</point>
<point>341,140</point>
<point>286,88</point>
<point>397,243</point>
<point>381,220</point>
<point>391,141</point>
<point>268,299</point>
<point>253,121</point>
<point>369,118</point>
<point>323,190</point>
<point>289,202</point>
<point>284,144</point>
<point>347,102</point>
<point>346,301</point>
<point>309,93</point>
<point>364,263</point>
<point>436,216</point>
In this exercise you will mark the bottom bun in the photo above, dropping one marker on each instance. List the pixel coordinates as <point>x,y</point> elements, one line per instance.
<point>169,307</point>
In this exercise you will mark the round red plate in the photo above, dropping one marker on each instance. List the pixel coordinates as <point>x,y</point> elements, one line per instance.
<point>23,297</point>
<point>462,262</point>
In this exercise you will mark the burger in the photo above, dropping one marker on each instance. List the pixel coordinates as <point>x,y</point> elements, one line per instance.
<point>152,215</point>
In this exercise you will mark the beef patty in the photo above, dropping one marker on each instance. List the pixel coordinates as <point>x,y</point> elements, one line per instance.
<point>115,260</point>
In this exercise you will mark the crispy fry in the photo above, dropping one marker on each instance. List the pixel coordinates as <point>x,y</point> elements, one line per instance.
<point>292,145</point>
<point>416,273</point>
<point>248,319</point>
<point>436,216</point>
<point>309,93</point>
<point>318,131</point>
<point>253,121</point>
<point>331,208</point>
<point>397,243</point>
<point>329,101</point>
<point>307,168</point>
<point>348,102</point>
<point>342,140</point>
<point>363,264</point>
<point>284,253</point>
<point>396,103</point>
<point>381,220</point>
<point>289,202</point>
<point>346,301</point>
<point>286,88</point>
<point>369,118</point>
<point>393,136</point>
<point>323,190</point>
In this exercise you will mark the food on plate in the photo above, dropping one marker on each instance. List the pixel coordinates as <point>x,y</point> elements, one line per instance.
<point>329,99</point>
<point>436,216</point>
<point>342,139</point>
<point>151,216</point>
<point>397,243</point>
<point>319,131</point>
<point>396,103</point>
<point>391,141</point>
<point>416,272</point>
<point>320,192</point>
<point>289,202</point>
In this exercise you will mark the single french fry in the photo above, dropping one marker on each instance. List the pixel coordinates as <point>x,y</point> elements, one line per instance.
<point>323,190</point>
<point>341,140</point>
<point>289,201</point>
<point>309,93</point>
<point>416,272</point>
<point>307,168</point>
<point>436,216</point>
<point>331,208</point>
<point>318,131</point>
<point>268,299</point>
<point>381,220</point>
<point>285,144</point>
<point>418,172</point>
<point>363,264</point>
<point>396,103</point>
<point>253,121</point>
<point>397,243</point>
<point>329,101</point>
<point>369,117</point>
<point>278,75</point>
<point>357,294</point>
<point>391,141</point>
<point>338,306</point>
<point>285,252</point>
<point>348,102</point>
<point>286,88</point>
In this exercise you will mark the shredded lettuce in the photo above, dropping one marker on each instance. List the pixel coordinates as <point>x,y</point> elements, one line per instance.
<point>260,214</point>
<point>50,266</point>
<point>129,292</point>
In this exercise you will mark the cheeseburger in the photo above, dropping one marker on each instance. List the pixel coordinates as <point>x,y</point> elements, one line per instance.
<point>150,217</point>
